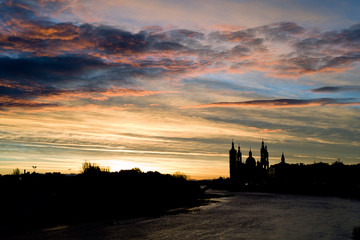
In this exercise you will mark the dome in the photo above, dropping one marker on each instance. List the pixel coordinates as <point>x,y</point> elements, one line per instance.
<point>250,162</point>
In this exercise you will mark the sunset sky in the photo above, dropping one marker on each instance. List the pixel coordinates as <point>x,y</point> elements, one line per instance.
<point>165,85</point>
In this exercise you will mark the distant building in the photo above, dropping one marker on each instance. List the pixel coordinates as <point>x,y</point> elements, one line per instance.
<point>233,162</point>
<point>242,172</point>
<point>282,159</point>
<point>264,156</point>
<point>250,161</point>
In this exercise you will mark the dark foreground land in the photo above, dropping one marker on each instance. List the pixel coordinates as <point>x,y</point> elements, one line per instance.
<point>31,201</point>
<point>38,201</point>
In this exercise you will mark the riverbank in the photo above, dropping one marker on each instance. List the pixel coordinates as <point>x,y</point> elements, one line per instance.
<point>96,228</point>
<point>241,216</point>
<point>344,189</point>
<point>46,201</point>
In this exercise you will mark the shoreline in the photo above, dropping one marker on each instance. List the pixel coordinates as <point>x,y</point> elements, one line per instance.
<point>80,226</point>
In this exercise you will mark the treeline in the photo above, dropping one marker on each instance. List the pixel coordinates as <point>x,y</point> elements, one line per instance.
<point>41,200</point>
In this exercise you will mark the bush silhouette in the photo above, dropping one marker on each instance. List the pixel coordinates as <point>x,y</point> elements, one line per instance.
<point>89,168</point>
<point>16,172</point>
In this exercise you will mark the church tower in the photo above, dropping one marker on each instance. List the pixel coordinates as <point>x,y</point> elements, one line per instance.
<point>239,157</point>
<point>264,156</point>
<point>282,158</point>
<point>232,160</point>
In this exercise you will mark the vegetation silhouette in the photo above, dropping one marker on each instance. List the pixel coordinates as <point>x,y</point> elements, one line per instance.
<point>93,169</point>
<point>46,200</point>
<point>16,172</point>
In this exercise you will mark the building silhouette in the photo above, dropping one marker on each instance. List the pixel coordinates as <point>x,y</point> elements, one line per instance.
<point>282,159</point>
<point>249,170</point>
<point>250,161</point>
<point>264,156</point>
<point>233,161</point>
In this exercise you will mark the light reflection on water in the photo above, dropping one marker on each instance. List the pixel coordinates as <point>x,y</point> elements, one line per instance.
<point>242,216</point>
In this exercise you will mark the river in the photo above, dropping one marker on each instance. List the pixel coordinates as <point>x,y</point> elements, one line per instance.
<point>241,216</point>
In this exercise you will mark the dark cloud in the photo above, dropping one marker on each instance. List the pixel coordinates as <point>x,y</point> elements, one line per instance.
<point>305,64</point>
<point>167,46</point>
<point>236,36</point>
<point>283,103</point>
<point>56,54</point>
<point>24,104</point>
<point>241,50</point>
<point>15,96</point>
<point>322,52</point>
<point>346,38</point>
<point>244,39</point>
<point>17,10</point>
<point>334,89</point>
<point>113,40</point>
<point>46,68</point>
<point>281,31</point>
<point>185,34</point>
<point>19,92</point>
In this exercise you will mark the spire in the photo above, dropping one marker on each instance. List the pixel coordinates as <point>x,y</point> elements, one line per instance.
<point>232,144</point>
<point>238,155</point>
<point>282,158</point>
<point>250,153</point>
<point>262,142</point>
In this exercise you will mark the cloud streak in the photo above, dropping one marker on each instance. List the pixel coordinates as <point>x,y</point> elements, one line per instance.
<point>335,89</point>
<point>280,103</point>
<point>17,95</point>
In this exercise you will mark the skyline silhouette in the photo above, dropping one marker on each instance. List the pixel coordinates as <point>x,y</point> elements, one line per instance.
<point>319,178</point>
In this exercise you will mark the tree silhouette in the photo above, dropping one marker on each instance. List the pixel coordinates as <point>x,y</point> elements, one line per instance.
<point>16,172</point>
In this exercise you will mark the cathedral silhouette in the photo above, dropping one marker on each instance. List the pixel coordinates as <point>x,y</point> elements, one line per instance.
<point>243,172</point>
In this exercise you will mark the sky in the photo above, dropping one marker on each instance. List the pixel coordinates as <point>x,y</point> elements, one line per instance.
<point>166,85</point>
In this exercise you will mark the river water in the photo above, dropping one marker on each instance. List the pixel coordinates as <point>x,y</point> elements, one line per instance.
<point>241,216</point>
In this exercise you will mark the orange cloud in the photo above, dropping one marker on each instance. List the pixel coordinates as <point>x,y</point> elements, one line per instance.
<point>265,130</point>
<point>99,94</point>
<point>58,108</point>
<point>37,99</point>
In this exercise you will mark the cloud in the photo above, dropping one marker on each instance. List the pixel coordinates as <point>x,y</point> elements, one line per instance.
<point>47,68</point>
<point>282,31</point>
<point>347,38</point>
<point>334,89</point>
<point>37,96</point>
<point>8,103</point>
<point>99,94</point>
<point>281,103</point>
<point>265,130</point>
<point>46,58</point>
<point>40,108</point>
<point>155,51</point>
